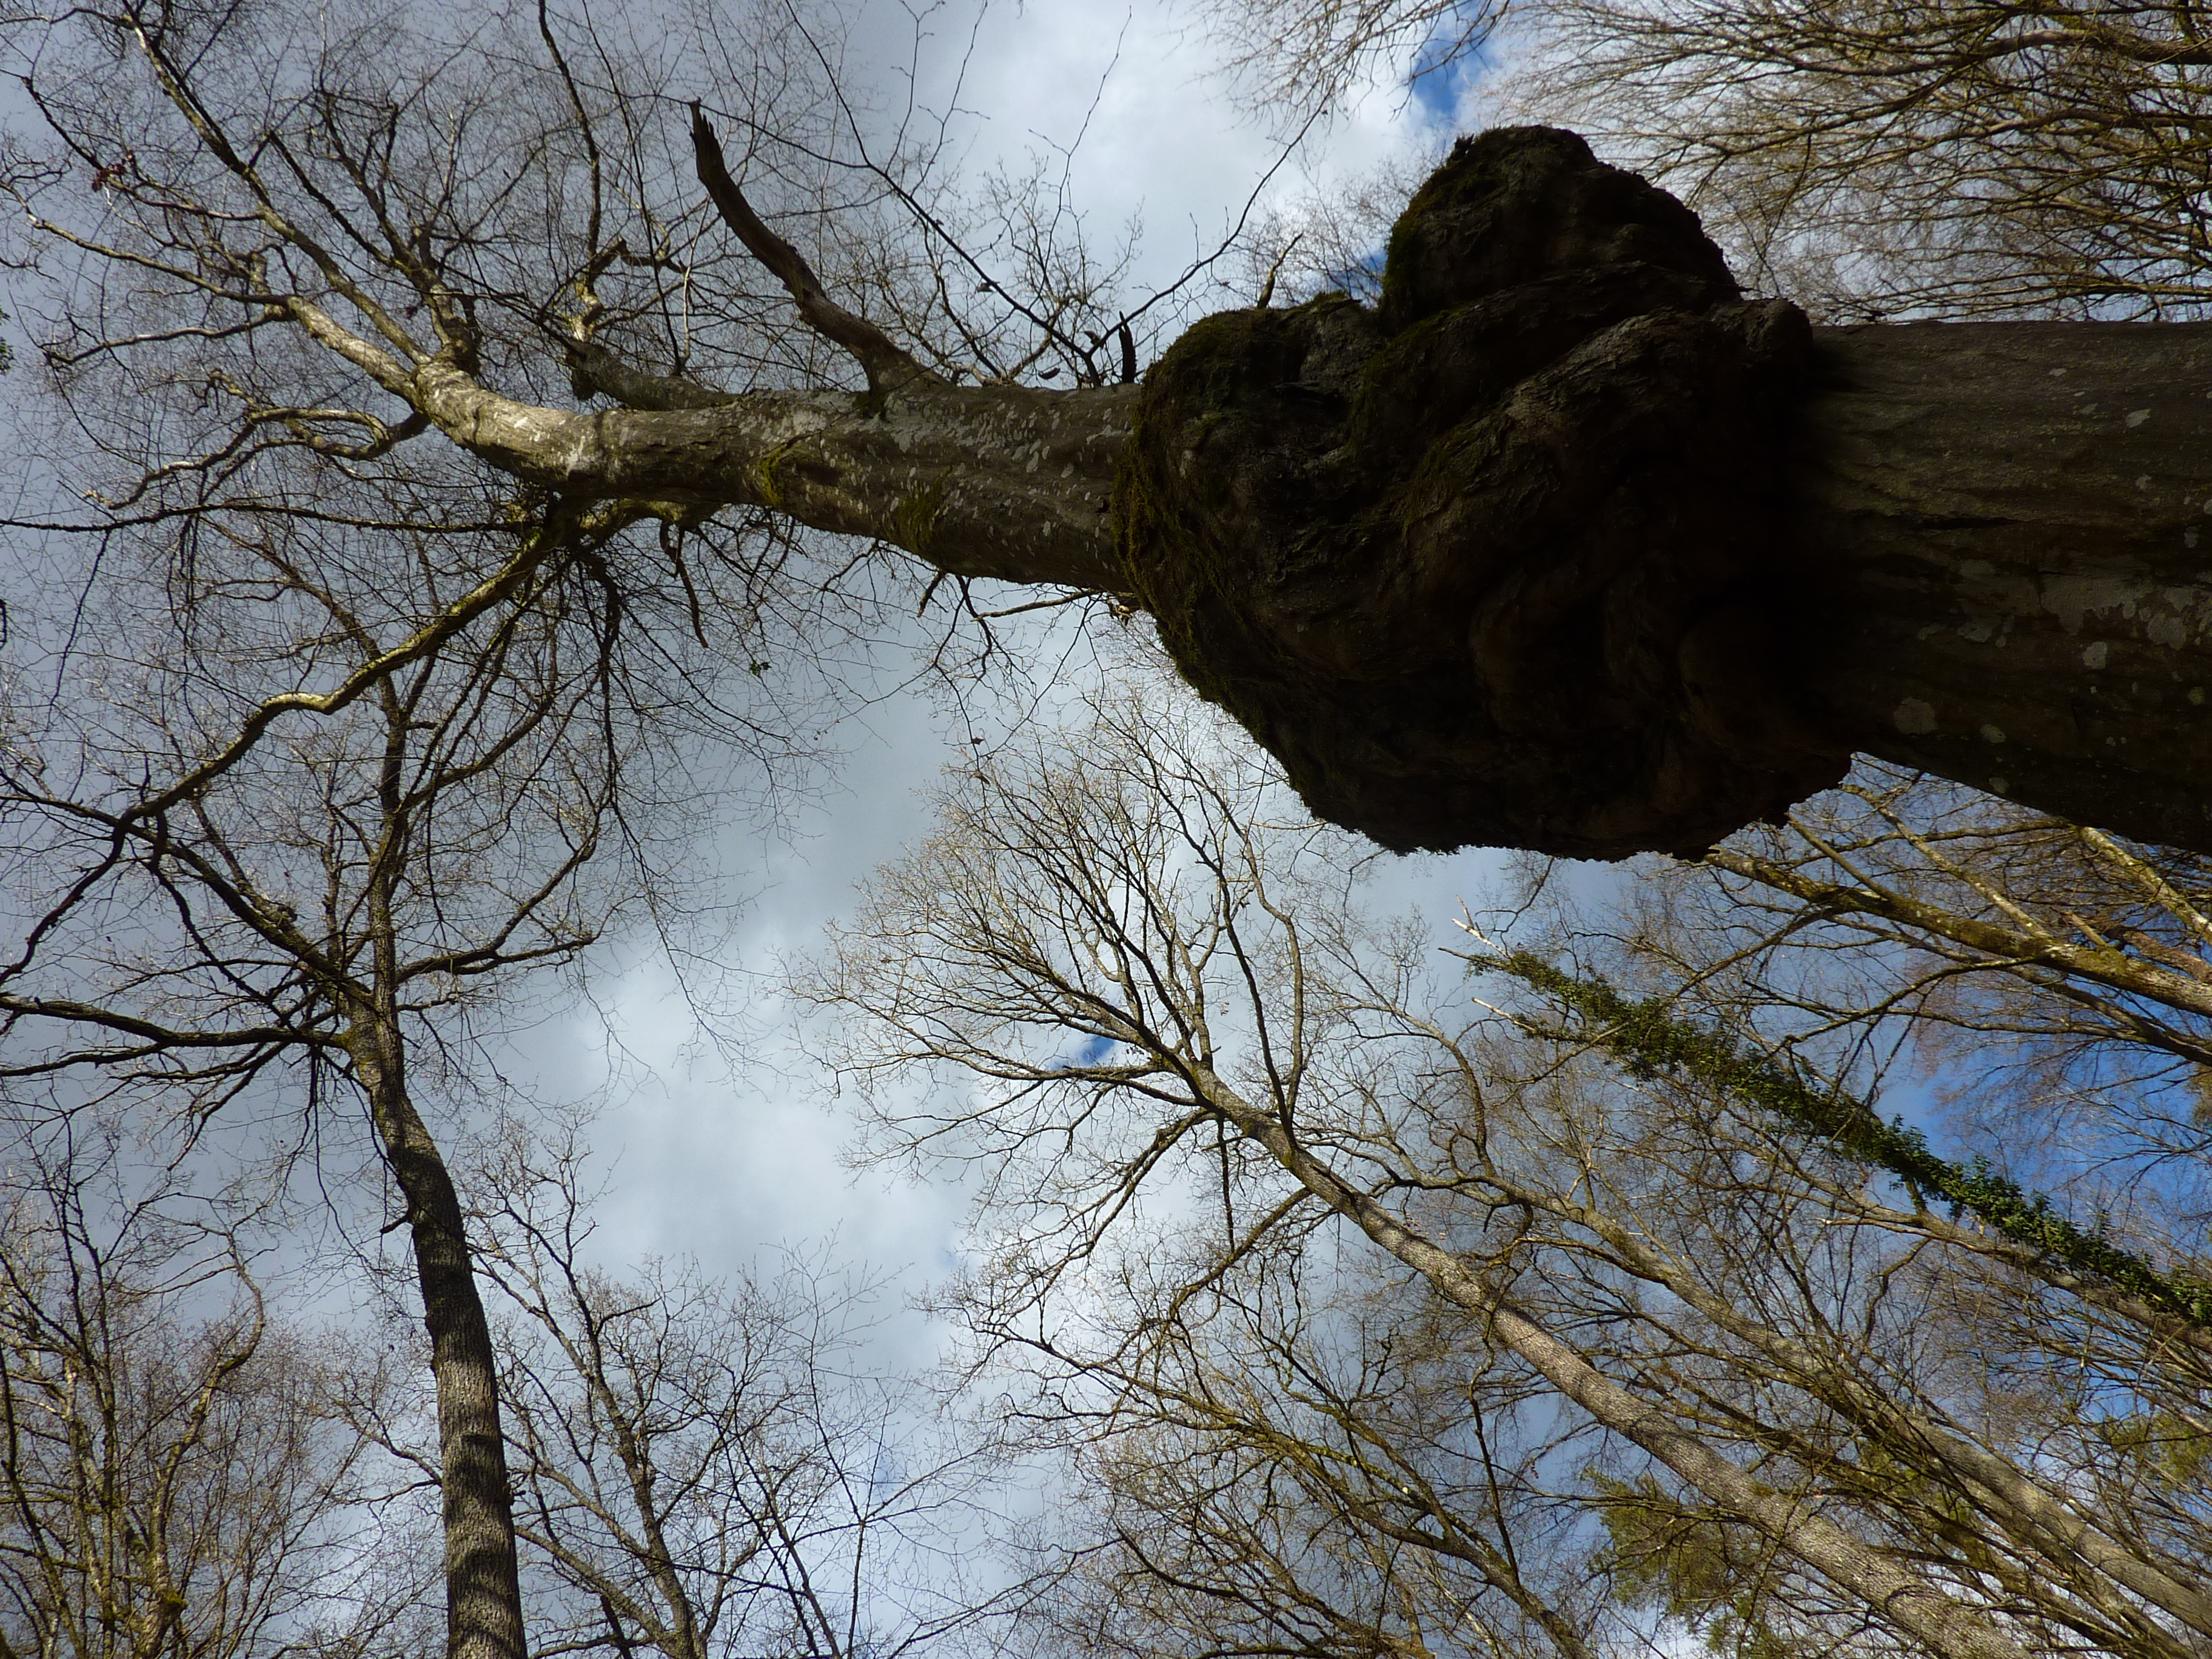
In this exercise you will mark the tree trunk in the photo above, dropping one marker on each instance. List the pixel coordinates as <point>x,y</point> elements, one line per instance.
<point>1978,554</point>
<point>1564,545</point>
<point>1898,1597</point>
<point>998,481</point>
<point>2002,530</point>
<point>483,1594</point>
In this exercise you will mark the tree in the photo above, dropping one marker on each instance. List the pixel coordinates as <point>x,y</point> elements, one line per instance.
<point>295,786</point>
<point>709,1469</point>
<point>1562,545</point>
<point>381,631</point>
<point>295,811</point>
<point>1873,161</point>
<point>1889,159</point>
<point>317,743</point>
<point>1358,1293</point>
<point>174,1481</point>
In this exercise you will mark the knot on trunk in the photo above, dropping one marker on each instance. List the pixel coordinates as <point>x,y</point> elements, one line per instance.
<point>1499,561</point>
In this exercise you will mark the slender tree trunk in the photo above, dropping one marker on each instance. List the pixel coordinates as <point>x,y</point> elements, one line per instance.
<point>1900,1598</point>
<point>484,1593</point>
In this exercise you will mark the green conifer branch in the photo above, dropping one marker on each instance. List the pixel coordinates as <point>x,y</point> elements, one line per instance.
<point>1648,1041</point>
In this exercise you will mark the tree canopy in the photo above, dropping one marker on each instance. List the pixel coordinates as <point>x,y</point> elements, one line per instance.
<point>466,445</point>
<point>1563,543</point>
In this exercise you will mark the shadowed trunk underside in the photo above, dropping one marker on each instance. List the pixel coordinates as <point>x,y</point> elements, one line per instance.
<point>1980,550</point>
<point>1564,545</point>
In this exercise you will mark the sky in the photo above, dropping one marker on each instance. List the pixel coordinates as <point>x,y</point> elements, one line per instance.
<point>724,1161</point>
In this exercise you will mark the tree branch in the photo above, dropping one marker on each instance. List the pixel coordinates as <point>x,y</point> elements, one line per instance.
<point>888,365</point>
<point>592,367</point>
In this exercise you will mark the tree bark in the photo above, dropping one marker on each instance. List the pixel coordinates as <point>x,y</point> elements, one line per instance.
<point>1563,546</point>
<point>1990,568</point>
<point>484,1593</point>
<point>995,480</point>
<point>2002,530</point>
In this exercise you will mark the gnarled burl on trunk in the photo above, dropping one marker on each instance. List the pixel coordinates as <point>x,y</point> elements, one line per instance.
<point>1566,546</point>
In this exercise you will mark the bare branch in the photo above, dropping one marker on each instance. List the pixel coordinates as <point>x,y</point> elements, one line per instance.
<point>889,366</point>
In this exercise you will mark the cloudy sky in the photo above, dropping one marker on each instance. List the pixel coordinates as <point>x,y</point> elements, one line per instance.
<point>724,1158</point>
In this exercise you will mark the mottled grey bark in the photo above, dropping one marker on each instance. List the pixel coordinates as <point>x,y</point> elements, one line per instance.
<point>2005,535</point>
<point>1001,481</point>
<point>484,1596</point>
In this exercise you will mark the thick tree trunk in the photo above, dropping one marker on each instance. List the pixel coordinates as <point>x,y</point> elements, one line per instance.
<point>2005,535</point>
<point>1987,563</point>
<point>1563,546</point>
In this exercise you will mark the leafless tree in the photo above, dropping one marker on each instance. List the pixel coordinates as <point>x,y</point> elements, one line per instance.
<point>1278,1455</point>
<point>371,631</point>
<point>506,253</point>
<point>1884,159</point>
<point>318,739</point>
<point>291,798</point>
<point>1800,1408</point>
<point>710,1469</point>
<point>2047,978</point>
<point>174,1483</point>
<point>1872,160</point>
<point>1304,55</point>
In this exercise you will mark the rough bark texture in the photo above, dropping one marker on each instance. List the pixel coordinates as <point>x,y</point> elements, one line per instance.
<point>1497,560</point>
<point>999,481</point>
<point>484,1596</point>
<point>2004,530</point>
<point>1563,547</point>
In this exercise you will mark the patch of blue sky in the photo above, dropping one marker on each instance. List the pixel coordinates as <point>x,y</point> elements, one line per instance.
<point>1090,1052</point>
<point>1362,279</point>
<point>1450,63</point>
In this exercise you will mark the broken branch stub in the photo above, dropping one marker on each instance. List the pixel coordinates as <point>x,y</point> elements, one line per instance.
<point>1499,561</point>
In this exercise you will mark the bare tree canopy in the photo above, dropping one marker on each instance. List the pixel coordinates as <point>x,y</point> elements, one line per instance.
<point>1871,160</point>
<point>178,1479</point>
<point>435,504</point>
<point>712,1469</point>
<point>1383,1312</point>
<point>1887,159</point>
